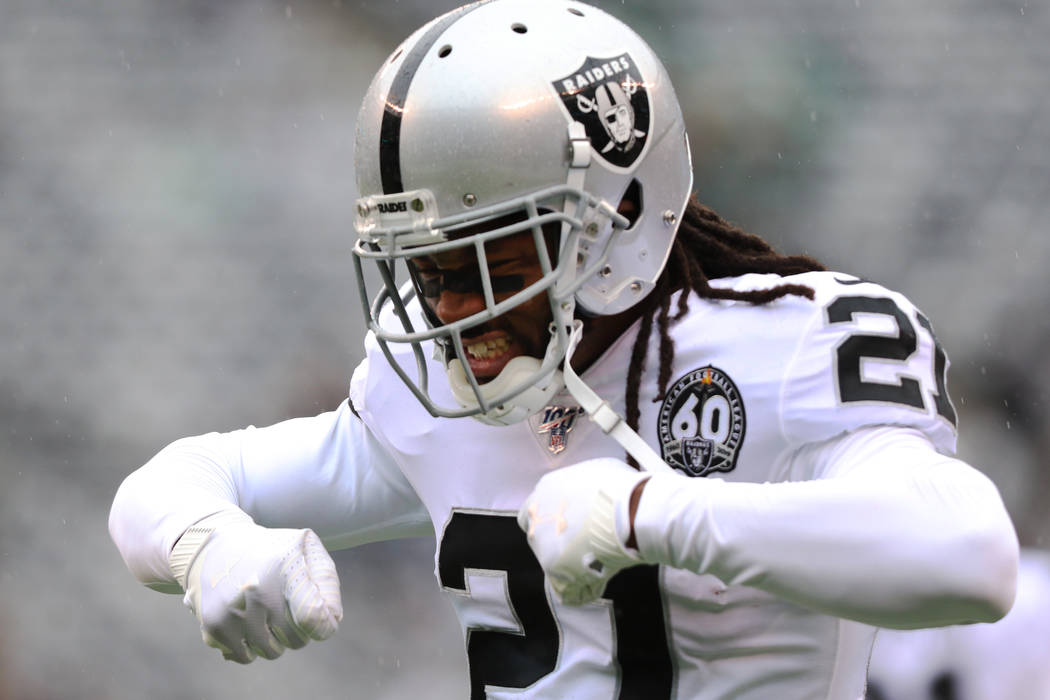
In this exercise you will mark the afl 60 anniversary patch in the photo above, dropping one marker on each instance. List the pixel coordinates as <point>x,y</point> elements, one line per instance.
<point>702,423</point>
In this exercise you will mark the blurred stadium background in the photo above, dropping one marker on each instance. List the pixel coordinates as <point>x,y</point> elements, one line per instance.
<point>176,185</point>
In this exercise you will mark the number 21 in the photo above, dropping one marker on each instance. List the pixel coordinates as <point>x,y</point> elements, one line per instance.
<point>494,542</point>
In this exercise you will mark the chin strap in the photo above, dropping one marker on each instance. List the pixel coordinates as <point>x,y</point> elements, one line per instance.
<point>611,423</point>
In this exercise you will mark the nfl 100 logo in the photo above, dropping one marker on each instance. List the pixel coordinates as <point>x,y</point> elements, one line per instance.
<point>701,423</point>
<point>557,422</point>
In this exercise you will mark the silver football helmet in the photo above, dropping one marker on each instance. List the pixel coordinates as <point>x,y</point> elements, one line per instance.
<point>510,116</point>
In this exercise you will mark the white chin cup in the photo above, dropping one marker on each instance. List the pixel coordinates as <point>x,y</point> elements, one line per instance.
<point>520,369</point>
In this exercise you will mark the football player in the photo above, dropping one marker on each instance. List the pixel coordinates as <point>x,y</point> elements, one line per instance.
<point>658,458</point>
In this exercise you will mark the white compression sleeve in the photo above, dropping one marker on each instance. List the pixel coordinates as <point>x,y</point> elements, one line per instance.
<point>893,534</point>
<point>326,473</point>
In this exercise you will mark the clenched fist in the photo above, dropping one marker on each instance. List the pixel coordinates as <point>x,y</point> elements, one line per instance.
<point>257,591</point>
<point>577,521</point>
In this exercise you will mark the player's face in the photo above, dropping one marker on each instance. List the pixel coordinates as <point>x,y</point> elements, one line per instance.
<point>451,287</point>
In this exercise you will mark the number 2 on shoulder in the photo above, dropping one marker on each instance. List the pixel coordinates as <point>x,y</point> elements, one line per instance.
<point>898,348</point>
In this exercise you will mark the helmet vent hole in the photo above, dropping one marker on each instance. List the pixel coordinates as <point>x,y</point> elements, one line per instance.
<point>444,51</point>
<point>575,12</point>
<point>396,54</point>
<point>519,28</point>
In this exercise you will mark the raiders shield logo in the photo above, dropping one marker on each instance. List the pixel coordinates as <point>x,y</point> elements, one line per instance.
<point>701,423</point>
<point>608,96</point>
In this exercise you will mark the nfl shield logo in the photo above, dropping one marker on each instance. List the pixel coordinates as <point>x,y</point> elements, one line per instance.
<point>556,422</point>
<point>608,96</point>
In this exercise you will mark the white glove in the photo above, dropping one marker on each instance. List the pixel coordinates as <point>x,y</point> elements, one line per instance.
<point>577,521</point>
<point>257,591</point>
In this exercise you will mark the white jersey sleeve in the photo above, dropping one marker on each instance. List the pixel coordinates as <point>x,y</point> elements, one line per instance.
<point>876,539</point>
<point>327,473</point>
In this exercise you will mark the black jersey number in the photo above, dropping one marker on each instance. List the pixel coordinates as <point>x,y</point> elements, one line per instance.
<point>898,347</point>
<point>517,659</point>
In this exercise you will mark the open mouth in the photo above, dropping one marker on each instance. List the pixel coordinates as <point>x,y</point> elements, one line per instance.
<point>489,353</point>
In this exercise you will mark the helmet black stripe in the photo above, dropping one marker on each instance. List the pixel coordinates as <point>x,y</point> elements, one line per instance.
<point>390,129</point>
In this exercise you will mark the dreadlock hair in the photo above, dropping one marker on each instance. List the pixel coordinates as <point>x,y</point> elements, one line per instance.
<point>706,247</point>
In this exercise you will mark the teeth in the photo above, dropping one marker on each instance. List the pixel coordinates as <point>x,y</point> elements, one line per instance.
<point>488,348</point>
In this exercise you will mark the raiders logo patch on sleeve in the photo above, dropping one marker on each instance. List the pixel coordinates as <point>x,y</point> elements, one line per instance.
<point>608,96</point>
<point>702,423</point>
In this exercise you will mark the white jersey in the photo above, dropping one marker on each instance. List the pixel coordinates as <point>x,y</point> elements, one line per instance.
<point>750,385</point>
<point>834,393</point>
